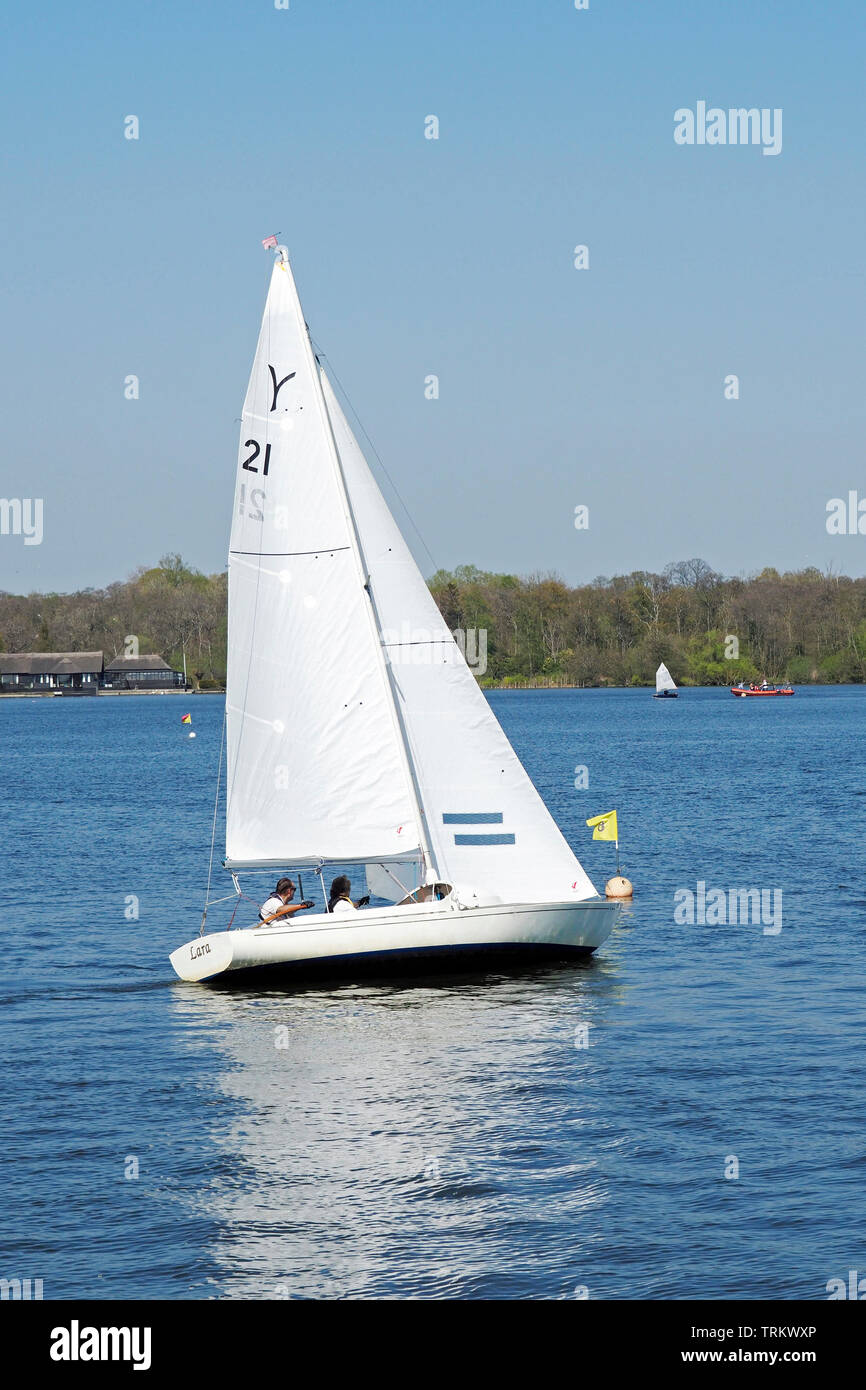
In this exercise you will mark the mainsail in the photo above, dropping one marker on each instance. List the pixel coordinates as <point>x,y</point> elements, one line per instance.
<point>344,676</point>
<point>664,679</point>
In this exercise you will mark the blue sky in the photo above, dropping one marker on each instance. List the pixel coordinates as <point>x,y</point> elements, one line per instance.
<point>558,387</point>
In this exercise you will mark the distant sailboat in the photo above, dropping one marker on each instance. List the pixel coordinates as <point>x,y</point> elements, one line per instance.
<point>355,732</point>
<point>665,686</point>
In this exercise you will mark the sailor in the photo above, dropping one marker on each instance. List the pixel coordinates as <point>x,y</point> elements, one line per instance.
<point>280,904</point>
<point>339,900</point>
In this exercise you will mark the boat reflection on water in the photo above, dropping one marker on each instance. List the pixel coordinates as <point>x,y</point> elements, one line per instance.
<point>387,1140</point>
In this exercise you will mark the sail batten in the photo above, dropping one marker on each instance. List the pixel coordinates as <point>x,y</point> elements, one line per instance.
<point>286,554</point>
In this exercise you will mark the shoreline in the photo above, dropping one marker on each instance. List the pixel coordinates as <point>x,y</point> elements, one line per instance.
<point>565,685</point>
<point>513,685</point>
<point>100,694</point>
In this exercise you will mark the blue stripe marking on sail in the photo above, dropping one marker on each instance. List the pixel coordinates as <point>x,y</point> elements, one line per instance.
<point>484,840</point>
<point>472,818</point>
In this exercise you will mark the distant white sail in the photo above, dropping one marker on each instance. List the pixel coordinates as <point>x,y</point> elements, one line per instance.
<point>664,679</point>
<point>488,829</point>
<point>316,767</point>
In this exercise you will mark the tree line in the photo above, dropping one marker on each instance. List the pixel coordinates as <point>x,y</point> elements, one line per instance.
<point>709,630</point>
<point>171,609</point>
<point>800,627</point>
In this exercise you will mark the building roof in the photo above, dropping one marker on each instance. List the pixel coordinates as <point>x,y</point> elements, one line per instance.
<point>49,663</point>
<point>137,663</point>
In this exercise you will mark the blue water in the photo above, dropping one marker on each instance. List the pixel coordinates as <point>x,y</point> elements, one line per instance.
<point>445,1138</point>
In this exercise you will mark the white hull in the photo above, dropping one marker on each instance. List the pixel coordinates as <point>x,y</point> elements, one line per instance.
<point>402,934</point>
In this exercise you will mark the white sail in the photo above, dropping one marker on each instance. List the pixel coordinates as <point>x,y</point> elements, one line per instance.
<point>489,831</point>
<point>316,764</point>
<point>664,679</point>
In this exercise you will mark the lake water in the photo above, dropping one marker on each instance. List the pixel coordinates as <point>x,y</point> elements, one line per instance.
<point>446,1137</point>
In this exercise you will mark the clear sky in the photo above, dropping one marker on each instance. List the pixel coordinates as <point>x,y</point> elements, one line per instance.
<point>453,257</point>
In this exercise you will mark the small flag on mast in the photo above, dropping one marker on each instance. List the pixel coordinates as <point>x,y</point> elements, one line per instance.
<point>268,242</point>
<point>187,719</point>
<point>605,827</point>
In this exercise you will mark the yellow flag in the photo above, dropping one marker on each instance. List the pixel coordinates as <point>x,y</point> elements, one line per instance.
<point>605,827</point>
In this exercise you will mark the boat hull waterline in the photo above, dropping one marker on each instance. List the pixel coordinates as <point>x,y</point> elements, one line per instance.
<point>395,934</point>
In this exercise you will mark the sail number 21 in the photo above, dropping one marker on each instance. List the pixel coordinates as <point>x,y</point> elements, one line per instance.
<point>249,463</point>
<point>257,496</point>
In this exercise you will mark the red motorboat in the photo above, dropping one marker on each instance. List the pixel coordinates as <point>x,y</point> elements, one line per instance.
<point>761,690</point>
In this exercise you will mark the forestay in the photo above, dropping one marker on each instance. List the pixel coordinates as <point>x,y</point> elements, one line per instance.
<point>316,766</point>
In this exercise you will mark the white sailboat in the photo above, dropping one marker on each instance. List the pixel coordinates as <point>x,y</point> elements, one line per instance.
<point>356,733</point>
<point>665,684</point>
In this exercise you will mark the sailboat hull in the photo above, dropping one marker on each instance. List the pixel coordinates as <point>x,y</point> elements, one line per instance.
<point>402,938</point>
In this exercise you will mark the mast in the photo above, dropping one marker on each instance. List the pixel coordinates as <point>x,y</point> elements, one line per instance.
<point>364,577</point>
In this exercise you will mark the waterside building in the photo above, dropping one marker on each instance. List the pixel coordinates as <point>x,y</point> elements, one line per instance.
<point>83,673</point>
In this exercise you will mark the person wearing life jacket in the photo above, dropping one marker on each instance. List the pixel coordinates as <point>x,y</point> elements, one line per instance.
<point>339,900</point>
<point>279,904</point>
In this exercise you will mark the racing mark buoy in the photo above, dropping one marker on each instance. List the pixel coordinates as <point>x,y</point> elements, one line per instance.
<point>619,887</point>
<point>192,735</point>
